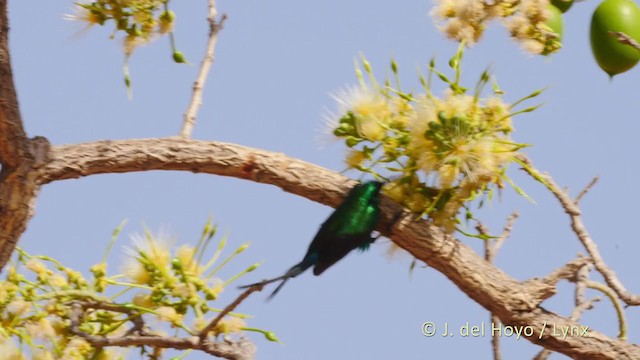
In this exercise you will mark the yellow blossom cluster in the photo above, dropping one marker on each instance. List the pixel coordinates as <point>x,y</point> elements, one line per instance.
<point>139,20</point>
<point>526,20</point>
<point>40,297</point>
<point>438,153</point>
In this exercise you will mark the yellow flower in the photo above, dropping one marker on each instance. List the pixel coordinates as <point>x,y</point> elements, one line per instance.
<point>370,128</point>
<point>457,105</point>
<point>518,25</point>
<point>215,287</point>
<point>444,9</point>
<point>10,351</point>
<point>448,175</point>
<point>18,307</point>
<point>84,15</point>
<point>109,354</point>
<point>228,325</point>
<point>169,314</point>
<point>41,329</point>
<point>396,192</point>
<point>497,114</point>
<point>185,291</point>
<point>143,300</point>
<point>533,46</point>
<point>132,42</point>
<point>470,11</point>
<point>75,277</point>
<point>370,109</point>
<point>149,251</point>
<point>535,10</point>
<point>186,255</point>
<point>355,158</point>
<point>58,281</point>
<point>136,271</point>
<point>167,21</point>
<point>427,159</point>
<point>199,323</point>
<point>77,348</point>
<point>36,266</point>
<point>40,354</point>
<point>462,20</point>
<point>416,202</point>
<point>7,290</point>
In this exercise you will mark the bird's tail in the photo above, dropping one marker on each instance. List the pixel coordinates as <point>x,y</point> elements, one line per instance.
<point>291,273</point>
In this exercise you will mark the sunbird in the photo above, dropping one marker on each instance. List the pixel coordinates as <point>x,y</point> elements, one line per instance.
<point>347,228</point>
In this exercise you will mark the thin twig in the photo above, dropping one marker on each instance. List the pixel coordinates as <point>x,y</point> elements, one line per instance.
<point>495,339</point>
<point>491,251</point>
<point>586,190</point>
<point>580,230</point>
<point>491,248</point>
<point>134,316</point>
<point>624,39</point>
<point>230,308</point>
<point>587,305</point>
<point>198,86</point>
<point>567,271</point>
<point>506,232</point>
<point>622,322</point>
<point>543,354</point>
<point>581,278</point>
<point>581,304</point>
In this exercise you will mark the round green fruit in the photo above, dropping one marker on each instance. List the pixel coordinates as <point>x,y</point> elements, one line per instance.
<point>562,5</point>
<point>555,20</point>
<point>621,16</point>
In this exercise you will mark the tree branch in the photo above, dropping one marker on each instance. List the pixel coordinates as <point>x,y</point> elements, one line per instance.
<point>245,294</point>
<point>232,350</point>
<point>13,139</point>
<point>198,86</point>
<point>586,189</point>
<point>580,230</point>
<point>515,303</point>
<point>491,248</point>
<point>18,190</point>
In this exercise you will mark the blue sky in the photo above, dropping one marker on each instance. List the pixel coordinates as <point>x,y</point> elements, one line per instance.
<point>277,64</point>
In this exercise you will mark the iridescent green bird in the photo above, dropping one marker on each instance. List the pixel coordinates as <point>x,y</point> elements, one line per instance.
<point>349,227</point>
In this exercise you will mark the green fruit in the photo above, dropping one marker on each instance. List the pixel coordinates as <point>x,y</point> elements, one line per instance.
<point>562,5</point>
<point>555,20</point>
<point>178,57</point>
<point>615,15</point>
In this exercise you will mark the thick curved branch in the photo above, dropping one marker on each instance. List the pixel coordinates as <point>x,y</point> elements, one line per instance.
<point>19,155</point>
<point>515,303</point>
<point>13,139</point>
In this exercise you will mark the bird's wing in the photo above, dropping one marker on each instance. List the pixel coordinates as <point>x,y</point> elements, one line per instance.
<point>336,248</point>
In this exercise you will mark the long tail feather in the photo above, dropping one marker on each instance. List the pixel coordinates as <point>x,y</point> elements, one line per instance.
<point>263,282</point>
<point>291,273</point>
<point>284,281</point>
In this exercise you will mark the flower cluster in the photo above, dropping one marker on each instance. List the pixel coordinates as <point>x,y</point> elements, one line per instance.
<point>439,152</point>
<point>45,305</point>
<point>527,21</point>
<point>139,20</point>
